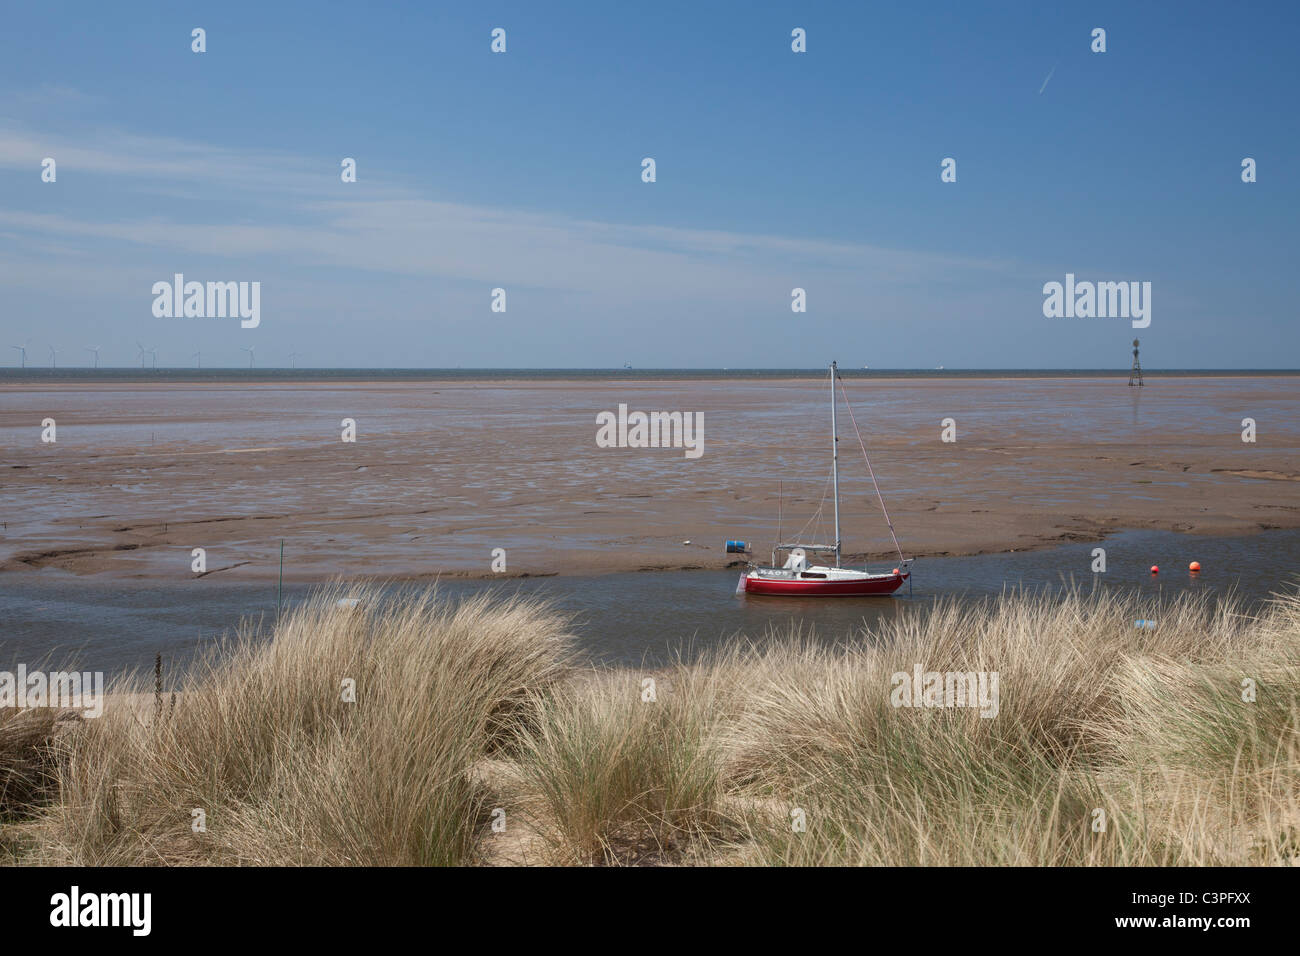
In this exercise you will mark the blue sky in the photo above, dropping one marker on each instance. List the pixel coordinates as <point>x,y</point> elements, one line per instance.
<point>522,170</point>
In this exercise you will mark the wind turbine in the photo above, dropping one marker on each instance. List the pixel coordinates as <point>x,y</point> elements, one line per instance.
<point>54,357</point>
<point>144,351</point>
<point>249,350</point>
<point>22,350</point>
<point>292,356</point>
<point>198,359</point>
<point>95,349</point>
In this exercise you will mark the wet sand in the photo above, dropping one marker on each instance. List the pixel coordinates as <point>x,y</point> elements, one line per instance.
<point>442,473</point>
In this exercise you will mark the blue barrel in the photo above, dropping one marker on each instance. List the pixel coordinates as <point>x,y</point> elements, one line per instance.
<point>737,547</point>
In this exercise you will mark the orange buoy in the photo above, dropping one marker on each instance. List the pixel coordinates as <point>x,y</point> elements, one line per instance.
<point>1194,566</point>
<point>895,570</point>
<point>1155,569</point>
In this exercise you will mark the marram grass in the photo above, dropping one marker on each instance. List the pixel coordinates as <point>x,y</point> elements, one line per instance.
<point>474,737</point>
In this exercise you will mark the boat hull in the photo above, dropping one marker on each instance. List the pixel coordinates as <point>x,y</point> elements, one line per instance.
<point>868,585</point>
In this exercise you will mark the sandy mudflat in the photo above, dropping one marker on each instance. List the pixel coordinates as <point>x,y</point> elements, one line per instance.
<point>442,473</point>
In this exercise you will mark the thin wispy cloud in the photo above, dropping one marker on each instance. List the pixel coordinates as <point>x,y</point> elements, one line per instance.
<point>45,97</point>
<point>306,219</point>
<point>160,162</point>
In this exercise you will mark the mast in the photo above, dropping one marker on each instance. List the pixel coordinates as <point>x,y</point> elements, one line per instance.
<point>835,466</point>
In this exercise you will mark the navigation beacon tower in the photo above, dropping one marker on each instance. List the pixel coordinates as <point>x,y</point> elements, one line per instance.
<point>1135,375</point>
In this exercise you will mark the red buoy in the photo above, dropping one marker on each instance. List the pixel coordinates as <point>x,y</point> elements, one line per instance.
<point>1194,566</point>
<point>1155,569</point>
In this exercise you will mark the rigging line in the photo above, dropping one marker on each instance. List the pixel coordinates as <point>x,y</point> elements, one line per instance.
<point>871,470</point>
<point>818,515</point>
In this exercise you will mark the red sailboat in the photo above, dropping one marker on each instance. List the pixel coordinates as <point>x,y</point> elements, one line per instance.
<point>797,577</point>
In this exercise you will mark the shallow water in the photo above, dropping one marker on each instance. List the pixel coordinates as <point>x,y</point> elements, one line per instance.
<point>55,617</point>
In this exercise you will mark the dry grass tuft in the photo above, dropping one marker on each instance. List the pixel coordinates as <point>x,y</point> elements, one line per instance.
<point>611,776</point>
<point>29,757</point>
<point>463,708</point>
<point>286,770</point>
